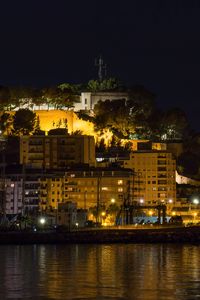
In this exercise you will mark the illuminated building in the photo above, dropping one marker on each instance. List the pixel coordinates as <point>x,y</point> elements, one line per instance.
<point>89,99</point>
<point>51,191</point>
<point>21,193</point>
<point>155,180</point>
<point>57,151</point>
<point>88,188</point>
<point>13,196</point>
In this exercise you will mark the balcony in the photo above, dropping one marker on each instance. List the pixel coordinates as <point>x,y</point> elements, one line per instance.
<point>162,169</point>
<point>35,150</point>
<point>162,176</point>
<point>162,182</point>
<point>162,162</point>
<point>35,143</point>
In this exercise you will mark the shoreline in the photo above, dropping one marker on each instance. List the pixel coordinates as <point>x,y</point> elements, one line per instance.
<point>102,236</point>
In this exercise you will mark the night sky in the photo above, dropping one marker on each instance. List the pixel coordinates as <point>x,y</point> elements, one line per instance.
<point>155,43</point>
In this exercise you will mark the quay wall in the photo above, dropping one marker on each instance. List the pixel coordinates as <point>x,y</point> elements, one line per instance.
<point>165,235</point>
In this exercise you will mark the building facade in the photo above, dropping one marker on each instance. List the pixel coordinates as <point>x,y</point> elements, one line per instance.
<point>87,188</point>
<point>57,151</point>
<point>20,194</point>
<point>155,178</point>
<point>89,99</point>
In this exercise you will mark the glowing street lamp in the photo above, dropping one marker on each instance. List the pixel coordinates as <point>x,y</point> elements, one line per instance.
<point>150,213</point>
<point>194,215</point>
<point>42,221</point>
<point>195,201</point>
<point>141,201</point>
<point>103,213</point>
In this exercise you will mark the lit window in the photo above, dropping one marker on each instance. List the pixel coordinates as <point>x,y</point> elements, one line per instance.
<point>120,189</point>
<point>72,175</point>
<point>99,159</point>
<point>104,188</point>
<point>12,185</point>
<point>120,181</point>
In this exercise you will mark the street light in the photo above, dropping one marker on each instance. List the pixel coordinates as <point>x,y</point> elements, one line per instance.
<point>150,213</point>
<point>77,224</point>
<point>42,221</point>
<point>194,215</point>
<point>195,201</point>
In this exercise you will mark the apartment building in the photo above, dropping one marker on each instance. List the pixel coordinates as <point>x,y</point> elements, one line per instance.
<point>13,196</point>
<point>19,191</point>
<point>87,188</point>
<point>155,178</point>
<point>51,191</point>
<point>54,151</point>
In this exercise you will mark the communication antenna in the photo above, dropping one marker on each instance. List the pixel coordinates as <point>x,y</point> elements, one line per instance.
<point>102,68</point>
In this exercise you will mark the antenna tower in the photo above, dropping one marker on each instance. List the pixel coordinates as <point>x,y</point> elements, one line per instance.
<point>101,68</point>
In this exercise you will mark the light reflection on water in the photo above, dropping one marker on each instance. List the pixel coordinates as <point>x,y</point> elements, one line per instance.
<point>146,272</point>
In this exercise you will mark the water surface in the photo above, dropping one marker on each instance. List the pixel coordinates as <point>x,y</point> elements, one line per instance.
<point>141,271</point>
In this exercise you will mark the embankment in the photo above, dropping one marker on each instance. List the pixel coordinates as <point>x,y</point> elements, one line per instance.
<point>161,235</point>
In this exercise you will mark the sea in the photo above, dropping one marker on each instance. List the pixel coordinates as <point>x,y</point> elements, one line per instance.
<point>100,271</point>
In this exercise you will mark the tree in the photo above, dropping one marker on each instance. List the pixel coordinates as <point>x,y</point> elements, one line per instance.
<point>77,132</point>
<point>24,122</point>
<point>101,146</point>
<point>174,124</point>
<point>93,85</point>
<point>58,131</point>
<point>126,117</point>
<point>109,84</point>
<point>60,98</point>
<point>37,130</point>
<point>113,115</point>
<point>19,96</point>
<point>6,121</point>
<point>72,88</point>
<point>188,163</point>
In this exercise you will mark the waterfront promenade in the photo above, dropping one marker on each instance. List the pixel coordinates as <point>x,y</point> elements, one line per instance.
<point>123,235</point>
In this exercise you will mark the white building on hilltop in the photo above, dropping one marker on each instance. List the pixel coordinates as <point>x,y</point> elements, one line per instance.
<point>89,99</point>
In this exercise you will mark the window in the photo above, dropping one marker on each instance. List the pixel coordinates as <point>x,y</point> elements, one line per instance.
<point>120,181</point>
<point>104,188</point>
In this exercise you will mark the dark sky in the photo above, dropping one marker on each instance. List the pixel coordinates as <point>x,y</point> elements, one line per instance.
<point>155,43</point>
